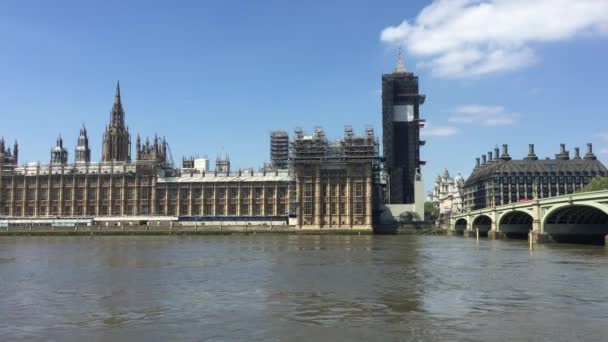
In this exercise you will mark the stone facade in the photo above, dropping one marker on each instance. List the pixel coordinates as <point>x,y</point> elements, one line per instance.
<point>498,180</point>
<point>76,190</point>
<point>448,196</point>
<point>243,194</point>
<point>334,179</point>
<point>145,189</point>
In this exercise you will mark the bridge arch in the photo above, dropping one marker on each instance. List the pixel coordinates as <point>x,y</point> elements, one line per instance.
<point>483,223</point>
<point>577,223</point>
<point>460,225</point>
<point>515,224</point>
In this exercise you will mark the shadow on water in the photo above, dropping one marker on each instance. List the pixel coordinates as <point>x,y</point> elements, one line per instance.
<point>597,240</point>
<point>517,236</point>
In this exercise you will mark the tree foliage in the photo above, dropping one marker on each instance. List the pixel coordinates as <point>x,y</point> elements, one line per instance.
<point>408,217</point>
<point>431,212</point>
<point>596,184</point>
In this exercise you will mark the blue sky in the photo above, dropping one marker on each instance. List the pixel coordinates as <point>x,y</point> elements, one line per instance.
<point>217,76</point>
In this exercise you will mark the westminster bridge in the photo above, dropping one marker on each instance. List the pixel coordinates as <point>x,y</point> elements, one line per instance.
<point>581,217</point>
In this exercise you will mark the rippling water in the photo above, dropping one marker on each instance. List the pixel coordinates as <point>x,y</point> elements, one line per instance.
<point>390,288</point>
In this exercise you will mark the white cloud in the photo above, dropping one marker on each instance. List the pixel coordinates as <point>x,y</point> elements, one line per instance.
<point>602,136</point>
<point>467,38</point>
<point>439,131</point>
<point>483,115</point>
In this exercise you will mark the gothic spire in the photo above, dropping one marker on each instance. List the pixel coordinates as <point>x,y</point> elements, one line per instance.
<point>118,114</point>
<point>116,140</point>
<point>117,92</point>
<point>400,67</point>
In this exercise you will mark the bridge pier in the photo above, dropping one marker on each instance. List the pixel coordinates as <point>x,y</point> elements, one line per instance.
<point>493,234</point>
<point>538,238</point>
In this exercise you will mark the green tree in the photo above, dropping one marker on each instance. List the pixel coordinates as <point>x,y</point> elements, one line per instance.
<point>596,184</point>
<point>431,212</point>
<point>408,217</point>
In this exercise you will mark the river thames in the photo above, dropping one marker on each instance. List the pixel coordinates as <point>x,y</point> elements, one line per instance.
<point>339,288</point>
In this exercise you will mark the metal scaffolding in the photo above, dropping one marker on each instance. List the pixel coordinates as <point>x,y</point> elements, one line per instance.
<point>279,149</point>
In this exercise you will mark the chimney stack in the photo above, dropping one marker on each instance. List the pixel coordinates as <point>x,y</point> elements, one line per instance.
<point>577,153</point>
<point>496,154</point>
<point>477,162</point>
<point>531,155</point>
<point>589,155</point>
<point>563,154</point>
<point>505,152</point>
<point>489,156</point>
<point>483,159</point>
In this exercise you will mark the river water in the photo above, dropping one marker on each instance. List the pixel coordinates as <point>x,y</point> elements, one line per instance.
<point>297,288</point>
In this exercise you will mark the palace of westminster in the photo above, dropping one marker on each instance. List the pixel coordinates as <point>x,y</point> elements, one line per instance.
<point>324,184</point>
<point>311,182</point>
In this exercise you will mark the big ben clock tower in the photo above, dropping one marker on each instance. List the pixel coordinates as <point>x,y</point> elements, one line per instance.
<point>401,142</point>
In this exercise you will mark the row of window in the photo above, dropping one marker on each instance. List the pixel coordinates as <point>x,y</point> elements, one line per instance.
<point>221,193</point>
<point>79,181</point>
<point>334,190</point>
<point>224,210</point>
<point>543,180</point>
<point>333,208</point>
<point>78,194</point>
<point>104,210</point>
<point>171,210</point>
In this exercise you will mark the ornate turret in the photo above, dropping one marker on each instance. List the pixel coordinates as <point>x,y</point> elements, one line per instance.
<point>15,153</point>
<point>117,140</point>
<point>157,151</point>
<point>59,155</point>
<point>6,156</point>
<point>137,148</point>
<point>83,152</point>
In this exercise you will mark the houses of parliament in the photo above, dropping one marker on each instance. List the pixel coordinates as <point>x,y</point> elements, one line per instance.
<point>325,184</point>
